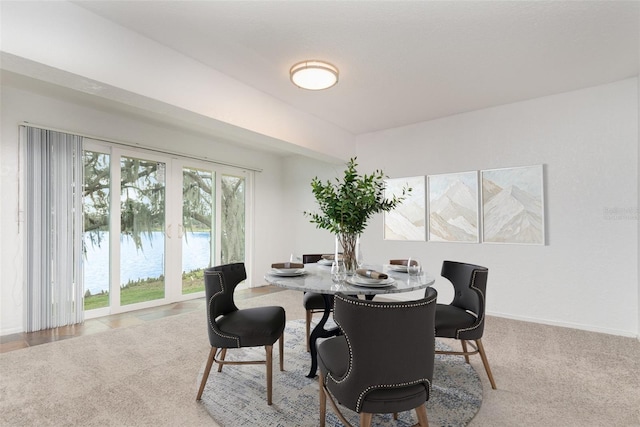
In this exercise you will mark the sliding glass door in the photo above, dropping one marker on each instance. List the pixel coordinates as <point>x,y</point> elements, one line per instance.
<point>173,218</point>
<point>233,205</point>
<point>198,225</point>
<point>96,241</point>
<point>142,239</point>
<point>211,201</point>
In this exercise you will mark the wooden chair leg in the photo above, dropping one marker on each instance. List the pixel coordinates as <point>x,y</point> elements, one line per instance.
<point>421,412</point>
<point>223,354</point>
<point>395,416</point>
<point>281,348</point>
<point>365,419</point>
<point>269,363</point>
<point>309,316</point>
<point>485,362</point>
<point>464,349</point>
<point>323,400</point>
<point>207,369</point>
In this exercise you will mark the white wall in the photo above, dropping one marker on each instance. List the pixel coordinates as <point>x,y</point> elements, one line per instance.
<point>19,105</point>
<point>586,276</point>
<point>298,173</point>
<point>65,44</point>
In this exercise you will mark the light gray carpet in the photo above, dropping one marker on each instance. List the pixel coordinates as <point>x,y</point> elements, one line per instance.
<point>146,375</point>
<point>236,396</point>
<point>137,376</point>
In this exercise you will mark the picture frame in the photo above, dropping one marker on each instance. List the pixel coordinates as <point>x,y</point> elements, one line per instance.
<point>513,205</point>
<point>453,207</point>
<point>407,220</point>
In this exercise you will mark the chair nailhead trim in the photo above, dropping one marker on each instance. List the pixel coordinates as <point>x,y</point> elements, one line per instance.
<point>364,303</point>
<point>479,319</point>
<point>379,386</point>
<point>389,386</point>
<point>330,375</point>
<point>214,328</point>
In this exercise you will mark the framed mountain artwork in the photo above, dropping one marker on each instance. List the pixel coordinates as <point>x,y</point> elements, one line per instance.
<point>407,220</point>
<point>453,207</point>
<point>513,205</point>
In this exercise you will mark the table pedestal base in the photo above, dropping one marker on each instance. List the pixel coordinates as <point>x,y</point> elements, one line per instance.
<point>320,332</point>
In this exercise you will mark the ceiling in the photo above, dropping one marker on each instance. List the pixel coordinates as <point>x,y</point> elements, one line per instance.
<point>400,62</point>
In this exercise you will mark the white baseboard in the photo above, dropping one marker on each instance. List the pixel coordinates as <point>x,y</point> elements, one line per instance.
<point>420,294</point>
<point>570,325</point>
<point>4,332</point>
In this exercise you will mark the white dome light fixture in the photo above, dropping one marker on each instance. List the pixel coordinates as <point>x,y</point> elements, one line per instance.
<point>314,75</point>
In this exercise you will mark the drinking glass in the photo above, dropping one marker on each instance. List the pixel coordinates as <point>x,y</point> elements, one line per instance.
<point>359,256</point>
<point>413,267</point>
<point>295,258</point>
<point>338,272</point>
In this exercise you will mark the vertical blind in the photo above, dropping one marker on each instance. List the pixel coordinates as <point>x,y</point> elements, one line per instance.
<point>53,226</point>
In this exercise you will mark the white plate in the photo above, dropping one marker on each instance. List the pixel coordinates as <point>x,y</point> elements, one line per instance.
<point>366,280</point>
<point>371,283</point>
<point>325,262</point>
<point>400,268</point>
<point>288,272</point>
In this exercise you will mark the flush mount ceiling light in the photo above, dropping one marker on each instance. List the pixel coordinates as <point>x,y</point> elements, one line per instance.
<point>314,75</point>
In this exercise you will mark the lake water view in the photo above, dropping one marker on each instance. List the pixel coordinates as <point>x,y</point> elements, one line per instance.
<point>147,262</point>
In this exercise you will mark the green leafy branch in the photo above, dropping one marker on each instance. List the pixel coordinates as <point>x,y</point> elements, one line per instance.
<point>346,206</point>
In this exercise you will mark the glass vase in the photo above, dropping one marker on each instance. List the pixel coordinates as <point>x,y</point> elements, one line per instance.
<point>348,242</point>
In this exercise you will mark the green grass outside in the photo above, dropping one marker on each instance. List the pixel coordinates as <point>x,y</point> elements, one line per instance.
<point>146,290</point>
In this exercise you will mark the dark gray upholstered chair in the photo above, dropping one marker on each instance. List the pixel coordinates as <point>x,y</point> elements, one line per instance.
<point>312,302</point>
<point>463,319</point>
<point>383,362</point>
<point>230,327</point>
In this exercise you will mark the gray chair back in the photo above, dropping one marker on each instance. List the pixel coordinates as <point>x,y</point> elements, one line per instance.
<point>311,258</point>
<point>390,353</point>
<point>470,288</point>
<point>219,285</point>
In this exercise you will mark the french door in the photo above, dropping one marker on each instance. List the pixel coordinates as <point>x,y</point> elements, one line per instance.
<point>173,217</point>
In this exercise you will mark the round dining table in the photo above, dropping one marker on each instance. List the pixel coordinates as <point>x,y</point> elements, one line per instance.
<point>316,277</point>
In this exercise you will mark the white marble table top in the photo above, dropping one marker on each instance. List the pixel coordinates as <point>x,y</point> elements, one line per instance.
<point>317,278</point>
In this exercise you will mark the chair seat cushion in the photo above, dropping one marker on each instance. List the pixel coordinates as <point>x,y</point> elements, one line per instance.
<point>254,326</point>
<point>384,401</point>
<point>333,356</point>
<point>450,319</point>
<point>314,301</point>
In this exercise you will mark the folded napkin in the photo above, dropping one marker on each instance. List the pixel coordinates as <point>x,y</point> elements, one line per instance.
<point>287,265</point>
<point>402,262</point>
<point>371,274</point>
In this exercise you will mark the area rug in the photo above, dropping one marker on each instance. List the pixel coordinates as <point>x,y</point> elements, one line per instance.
<point>237,395</point>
